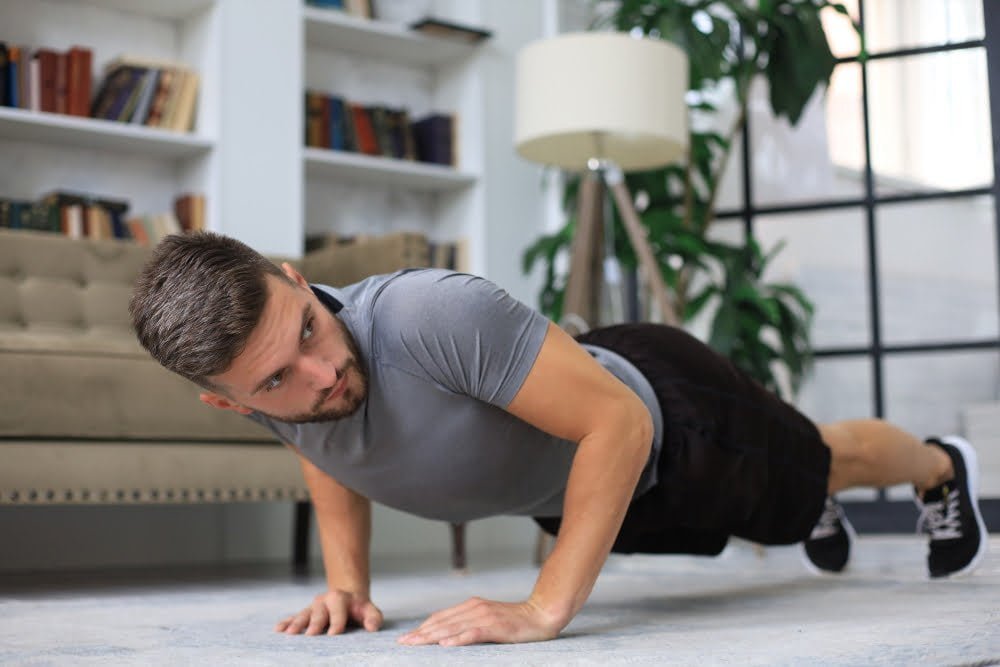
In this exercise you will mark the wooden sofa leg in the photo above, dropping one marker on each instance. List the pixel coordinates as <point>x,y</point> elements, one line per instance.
<point>458,560</point>
<point>300,539</point>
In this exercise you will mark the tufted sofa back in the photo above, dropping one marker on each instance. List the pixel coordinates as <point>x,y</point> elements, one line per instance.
<point>70,362</point>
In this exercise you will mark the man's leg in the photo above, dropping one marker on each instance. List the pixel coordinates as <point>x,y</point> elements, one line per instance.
<point>874,453</point>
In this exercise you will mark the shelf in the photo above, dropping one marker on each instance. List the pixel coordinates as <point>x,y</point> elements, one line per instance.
<point>361,168</point>
<point>166,9</point>
<point>332,29</point>
<point>78,132</point>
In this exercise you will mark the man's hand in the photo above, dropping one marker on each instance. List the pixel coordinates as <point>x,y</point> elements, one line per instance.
<point>332,611</point>
<point>477,621</point>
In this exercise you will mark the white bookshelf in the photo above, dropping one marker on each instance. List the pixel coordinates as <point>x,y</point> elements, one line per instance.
<point>374,62</point>
<point>62,130</point>
<point>148,167</point>
<point>333,29</point>
<point>369,170</point>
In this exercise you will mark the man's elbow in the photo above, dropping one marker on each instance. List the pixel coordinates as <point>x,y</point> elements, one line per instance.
<point>638,429</point>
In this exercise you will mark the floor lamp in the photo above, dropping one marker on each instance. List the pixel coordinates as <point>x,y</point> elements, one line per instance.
<point>603,103</point>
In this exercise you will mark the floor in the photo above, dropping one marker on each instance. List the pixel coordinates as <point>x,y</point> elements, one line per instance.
<point>739,608</point>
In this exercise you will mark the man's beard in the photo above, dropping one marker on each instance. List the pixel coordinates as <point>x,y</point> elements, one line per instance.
<point>352,397</point>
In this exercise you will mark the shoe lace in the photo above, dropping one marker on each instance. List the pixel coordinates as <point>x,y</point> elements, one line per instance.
<point>940,518</point>
<point>829,521</point>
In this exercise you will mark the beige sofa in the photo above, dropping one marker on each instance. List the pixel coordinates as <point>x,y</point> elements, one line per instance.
<point>86,416</point>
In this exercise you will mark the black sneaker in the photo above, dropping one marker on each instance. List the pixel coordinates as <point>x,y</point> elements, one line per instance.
<point>829,545</point>
<point>949,513</point>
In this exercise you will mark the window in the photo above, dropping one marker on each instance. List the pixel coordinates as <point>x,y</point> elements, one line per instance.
<point>886,196</point>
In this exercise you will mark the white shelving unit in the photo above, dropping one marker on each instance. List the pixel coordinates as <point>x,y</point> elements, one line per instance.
<point>149,167</point>
<point>62,130</point>
<point>375,62</point>
<point>359,168</point>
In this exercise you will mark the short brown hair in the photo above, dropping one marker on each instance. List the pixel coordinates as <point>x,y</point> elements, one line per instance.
<point>197,301</point>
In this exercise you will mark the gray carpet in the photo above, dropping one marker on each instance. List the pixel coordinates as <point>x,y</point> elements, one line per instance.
<point>736,609</point>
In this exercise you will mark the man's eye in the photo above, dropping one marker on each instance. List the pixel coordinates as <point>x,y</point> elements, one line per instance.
<point>307,331</point>
<point>273,382</point>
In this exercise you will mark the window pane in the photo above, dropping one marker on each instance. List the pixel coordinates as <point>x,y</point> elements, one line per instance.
<point>938,270</point>
<point>930,122</point>
<point>838,388</point>
<point>825,256</point>
<point>822,157</point>
<point>842,36</point>
<point>894,24</point>
<point>927,394</point>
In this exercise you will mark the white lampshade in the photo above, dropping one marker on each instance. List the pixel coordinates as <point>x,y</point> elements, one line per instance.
<point>601,95</point>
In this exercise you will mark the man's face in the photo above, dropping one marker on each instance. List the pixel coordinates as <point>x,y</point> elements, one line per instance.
<point>300,365</point>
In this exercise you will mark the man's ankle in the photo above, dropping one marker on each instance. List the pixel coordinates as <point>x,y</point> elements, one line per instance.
<point>943,470</point>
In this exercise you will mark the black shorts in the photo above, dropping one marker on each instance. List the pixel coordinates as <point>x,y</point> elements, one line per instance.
<point>736,460</point>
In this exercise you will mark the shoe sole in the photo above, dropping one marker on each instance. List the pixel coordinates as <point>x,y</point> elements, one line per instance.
<point>852,538</point>
<point>971,462</point>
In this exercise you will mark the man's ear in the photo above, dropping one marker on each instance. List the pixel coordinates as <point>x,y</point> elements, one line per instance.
<point>294,275</point>
<point>223,403</point>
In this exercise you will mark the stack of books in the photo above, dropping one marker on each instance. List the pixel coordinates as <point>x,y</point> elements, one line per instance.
<point>148,92</point>
<point>136,90</point>
<point>335,123</point>
<point>45,79</point>
<point>88,216</point>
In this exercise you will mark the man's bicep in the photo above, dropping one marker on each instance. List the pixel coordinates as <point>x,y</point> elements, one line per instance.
<point>568,394</point>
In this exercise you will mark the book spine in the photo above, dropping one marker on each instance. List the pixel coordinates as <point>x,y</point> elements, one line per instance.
<point>62,82</point>
<point>47,63</point>
<point>79,85</point>
<point>4,74</point>
<point>367,143</point>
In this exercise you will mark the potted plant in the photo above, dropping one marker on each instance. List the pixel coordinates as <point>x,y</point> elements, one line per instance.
<point>757,324</point>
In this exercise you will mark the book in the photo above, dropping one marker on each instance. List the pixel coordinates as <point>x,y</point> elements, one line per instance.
<point>147,90</point>
<point>367,143</point>
<point>383,130</point>
<point>189,209</point>
<point>24,78</point>
<point>362,9</point>
<point>4,74</point>
<point>434,139</point>
<point>336,105</point>
<point>62,82</point>
<point>78,84</point>
<point>183,119</point>
<point>47,66</point>
<point>115,92</point>
<point>445,29</point>
<point>34,83</point>
<point>314,117</point>
<point>163,83</point>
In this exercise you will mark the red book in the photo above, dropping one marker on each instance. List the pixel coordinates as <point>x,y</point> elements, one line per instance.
<point>47,65</point>
<point>79,81</point>
<point>62,82</point>
<point>365,132</point>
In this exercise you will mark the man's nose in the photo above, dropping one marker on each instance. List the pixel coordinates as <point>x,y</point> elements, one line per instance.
<point>321,373</point>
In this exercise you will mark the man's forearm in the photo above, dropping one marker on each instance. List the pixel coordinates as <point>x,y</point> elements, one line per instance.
<point>345,544</point>
<point>344,520</point>
<point>601,482</point>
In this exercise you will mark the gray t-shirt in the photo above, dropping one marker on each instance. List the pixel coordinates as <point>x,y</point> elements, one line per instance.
<point>446,353</point>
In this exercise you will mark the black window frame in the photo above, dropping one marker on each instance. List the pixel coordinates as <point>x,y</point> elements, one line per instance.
<point>882,515</point>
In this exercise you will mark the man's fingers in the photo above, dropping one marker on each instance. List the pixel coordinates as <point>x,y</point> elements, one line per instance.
<point>282,624</point>
<point>338,614</point>
<point>319,619</point>
<point>298,622</point>
<point>445,615</point>
<point>369,616</point>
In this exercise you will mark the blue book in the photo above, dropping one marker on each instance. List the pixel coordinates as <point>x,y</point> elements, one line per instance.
<point>336,123</point>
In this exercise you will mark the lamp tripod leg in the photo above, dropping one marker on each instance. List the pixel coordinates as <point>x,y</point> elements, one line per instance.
<point>637,235</point>
<point>581,300</point>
